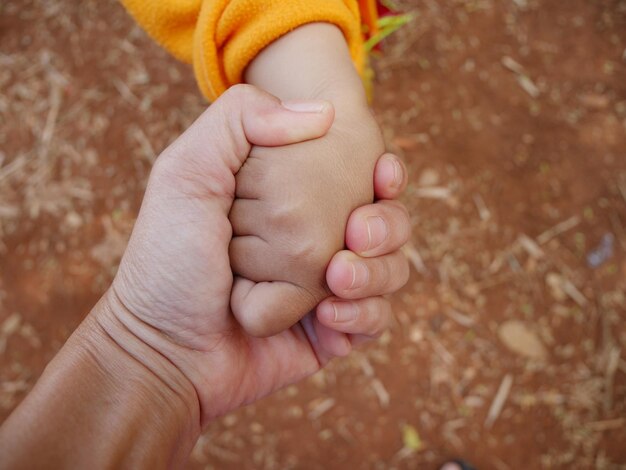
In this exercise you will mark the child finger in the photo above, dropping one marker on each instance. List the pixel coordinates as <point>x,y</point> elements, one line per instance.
<point>267,308</point>
<point>351,277</point>
<point>252,257</point>
<point>245,216</point>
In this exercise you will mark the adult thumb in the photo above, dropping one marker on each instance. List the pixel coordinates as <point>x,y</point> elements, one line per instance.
<point>244,116</point>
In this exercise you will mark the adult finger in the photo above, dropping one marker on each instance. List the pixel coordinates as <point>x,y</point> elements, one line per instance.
<point>246,116</point>
<point>333,343</point>
<point>390,177</point>
<point>368,317</point>
<point>378,229</point>
<point>350,276</point>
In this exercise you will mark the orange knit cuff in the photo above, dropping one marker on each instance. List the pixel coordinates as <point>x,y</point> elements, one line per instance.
<point>227,40</point>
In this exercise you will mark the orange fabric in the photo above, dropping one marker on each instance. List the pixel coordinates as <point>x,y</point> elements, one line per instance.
<point>221,37</point>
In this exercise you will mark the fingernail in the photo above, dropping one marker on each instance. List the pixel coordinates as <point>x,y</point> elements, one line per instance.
<point>377,231</point>
<point>360,275</point>
<point>304,106</point>
<point>344,311</point>
<point>397,172</point>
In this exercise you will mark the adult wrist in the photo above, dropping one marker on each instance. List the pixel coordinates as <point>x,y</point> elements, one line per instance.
<point>102,390</point>
<point>141,379</point>
<point>108,326</point>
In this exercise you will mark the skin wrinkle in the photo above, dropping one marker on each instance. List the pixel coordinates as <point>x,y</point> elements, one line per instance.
<point>169,384</point>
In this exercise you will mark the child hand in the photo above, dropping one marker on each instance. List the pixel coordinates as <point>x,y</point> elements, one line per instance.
<point>290,216</point>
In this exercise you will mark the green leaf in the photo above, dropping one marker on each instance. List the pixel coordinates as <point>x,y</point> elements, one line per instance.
<point>411,438</point>
<point>387,25</point>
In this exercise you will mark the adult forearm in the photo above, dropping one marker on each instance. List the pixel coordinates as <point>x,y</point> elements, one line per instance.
<point>106,401</point>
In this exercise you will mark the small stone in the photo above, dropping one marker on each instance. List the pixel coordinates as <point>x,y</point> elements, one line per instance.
<point>520,339</point>
<point>416,334</point>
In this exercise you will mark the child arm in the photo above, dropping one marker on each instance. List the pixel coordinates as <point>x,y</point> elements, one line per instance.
<point>222,37</point>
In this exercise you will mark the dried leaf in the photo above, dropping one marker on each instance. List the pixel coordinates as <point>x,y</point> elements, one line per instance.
<point>594,101</point>
<point>521,340</point>
<point>11,324</point>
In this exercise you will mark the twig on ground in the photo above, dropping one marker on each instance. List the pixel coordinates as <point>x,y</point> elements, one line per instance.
<point>146,147</point>
<point>442,352</point>
<point>609,377</point>
<point>606,425</point>
<point>530,246</point>
<point>415,258</point>
<point>433,192</point>
<point>126,92</point>
<point>366,366</point>
<point>558,229</point>
<point>498,402</point>
<point>483,212</point>
<point>381,392</point>
<point>521,76</point>
<point>321,407</point>
<point>460,318</point>
<point>618,228</point>
<point>622,189</point>
<point>51,119</point>
<point>572,291</point>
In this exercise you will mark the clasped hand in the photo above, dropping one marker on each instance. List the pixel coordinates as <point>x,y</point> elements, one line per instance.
<point>173,289</point>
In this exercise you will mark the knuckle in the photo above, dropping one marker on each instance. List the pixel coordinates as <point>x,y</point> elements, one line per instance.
<point>287,216</point>
<point>239,91</point>
<point>380,317</point>
<point>406,216</point>
<point>304,243</point>
<point>256,324</point>
<point>162,167</point>
<point>191,177</point>
<point>373,320</point>
<point>384,272</point>
<point>399,209</point>
<point>309,251</point>
<point>377,330</point>
<point>405,228</point>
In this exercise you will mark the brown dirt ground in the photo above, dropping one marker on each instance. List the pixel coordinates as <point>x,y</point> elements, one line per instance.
<point>511,116</point>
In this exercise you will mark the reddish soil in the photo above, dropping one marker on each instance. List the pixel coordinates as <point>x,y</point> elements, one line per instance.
<point>511,116</point>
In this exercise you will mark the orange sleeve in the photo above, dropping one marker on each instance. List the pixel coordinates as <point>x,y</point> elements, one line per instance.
<point>221,37</point>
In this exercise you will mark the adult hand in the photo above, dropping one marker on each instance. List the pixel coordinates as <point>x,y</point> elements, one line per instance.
<point>161,353</point>
<point>173,286</point>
